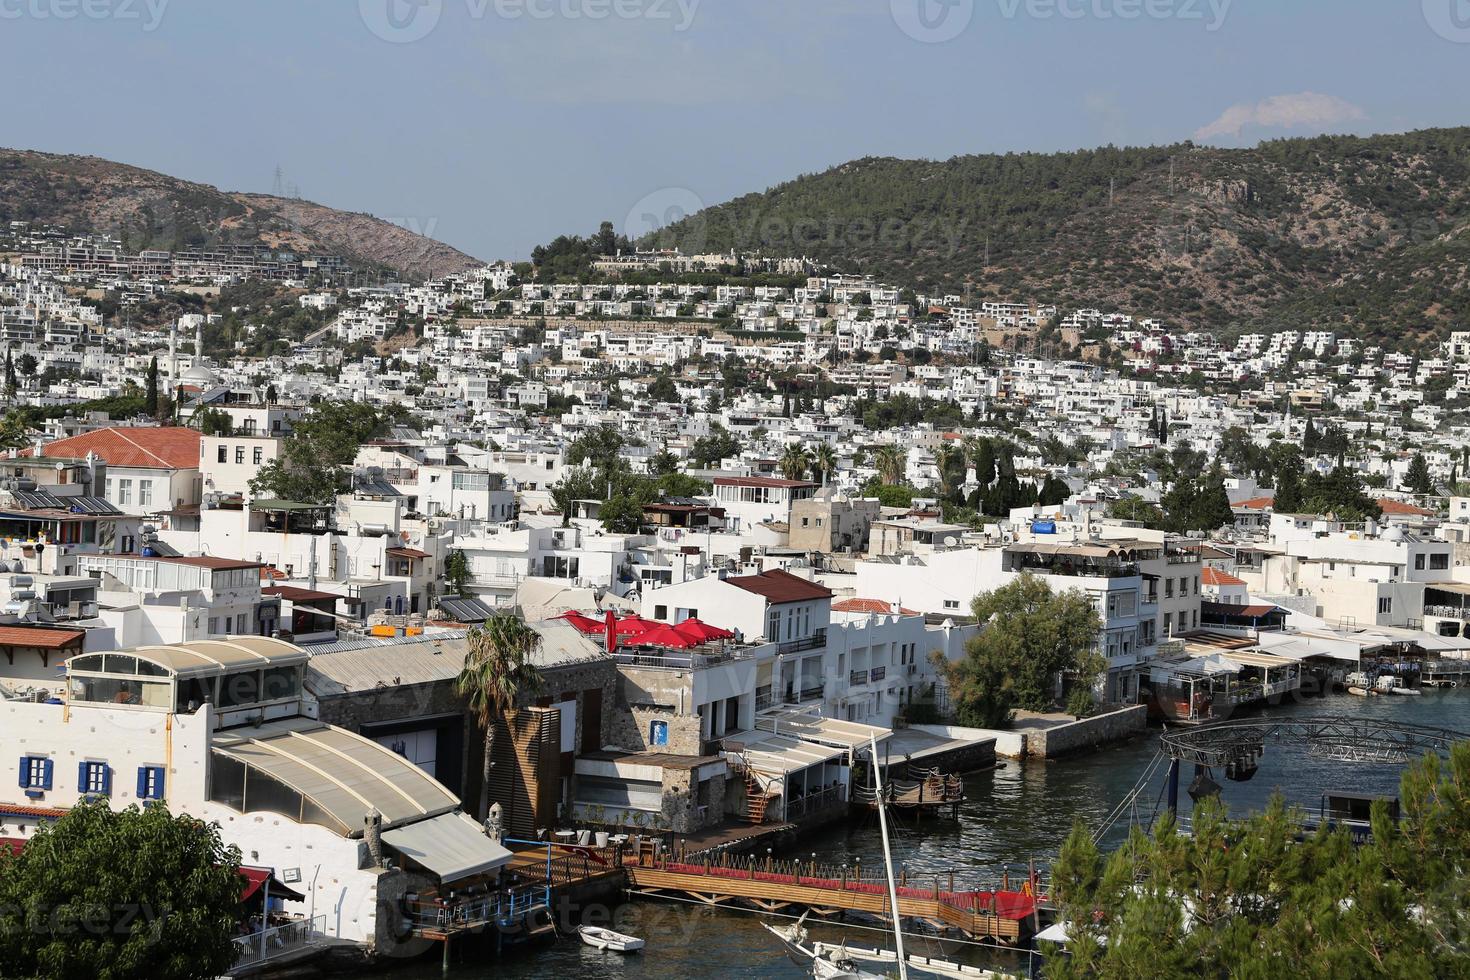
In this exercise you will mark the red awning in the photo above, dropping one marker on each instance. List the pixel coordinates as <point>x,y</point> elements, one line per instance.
<point>12,844</point>
<point>255,879</point>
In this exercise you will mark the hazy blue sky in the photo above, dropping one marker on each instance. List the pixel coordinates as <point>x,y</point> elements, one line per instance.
<point>497,124</point>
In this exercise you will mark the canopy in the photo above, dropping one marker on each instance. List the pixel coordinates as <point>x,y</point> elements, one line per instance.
<point>634,625</point>
<point>451,845</point>
<point>584,624</point>
<point>255,878</point>
<point>701,632</point>
<point>664,636</point>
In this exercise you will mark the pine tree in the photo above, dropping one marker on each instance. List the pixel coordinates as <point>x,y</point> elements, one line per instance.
<point>1418,479</point>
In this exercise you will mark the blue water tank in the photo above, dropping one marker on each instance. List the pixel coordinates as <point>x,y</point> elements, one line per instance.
<point>148,552</point>
<point>1043,527</point>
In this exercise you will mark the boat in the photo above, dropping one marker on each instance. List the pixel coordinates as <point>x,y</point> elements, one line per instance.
<point>599,938</point>
<point>1406,691</point>
<point>828,965</point>
<point>1363,692</point>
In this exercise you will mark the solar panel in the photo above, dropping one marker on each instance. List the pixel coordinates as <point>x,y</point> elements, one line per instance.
<point>37,500</point>
<point>99,506</point>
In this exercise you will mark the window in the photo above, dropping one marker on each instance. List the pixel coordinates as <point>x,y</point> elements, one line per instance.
<point>35,772</point>
<point>259,455</point>
<point>150,782</point>
<point>951,603</point>
<point>124,492</point>
<point>145,493</point>
<point>1439,562</point>
<point>239,455</point>
<point>94,779</point>
<point>773,625</point>
<point>223,456</point>
<point>660,612</point>
<point>1385,605</point>
<point>1419,563</point>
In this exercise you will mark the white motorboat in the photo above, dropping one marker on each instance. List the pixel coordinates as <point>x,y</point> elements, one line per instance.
<point>600,938</point>
<point>1406,691</point>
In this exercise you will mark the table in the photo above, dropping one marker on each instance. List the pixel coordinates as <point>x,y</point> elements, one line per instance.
<point>566,836</point>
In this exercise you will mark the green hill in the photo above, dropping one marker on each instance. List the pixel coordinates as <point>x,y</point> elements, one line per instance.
<point>1365,235</point>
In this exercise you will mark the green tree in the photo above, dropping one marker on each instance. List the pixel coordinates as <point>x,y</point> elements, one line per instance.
<point>890,462</point>
<point>457,572</point>
<point>601,448</point>
<point>1029,637</point>
<point>1260,897</point>
<point>1418,480</point>
<point>27,365</point>
<point>120,893</point>
<point>794,462</point>
<point>622,513</point>
<point>578,483</point>
<point>213,422</point>
<point>497,672</point>
<point>708,451</point>
<point>150,401</point>
<point>314,465</point>
<point>824,461</point>
<point>1053,492</point>
<point>949,461</point>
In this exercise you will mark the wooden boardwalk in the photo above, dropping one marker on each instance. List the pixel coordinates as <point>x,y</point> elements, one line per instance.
<point>1008,916</point>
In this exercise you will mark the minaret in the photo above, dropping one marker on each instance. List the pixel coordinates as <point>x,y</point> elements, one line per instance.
<point>199,344</point>
<point>173,356</point>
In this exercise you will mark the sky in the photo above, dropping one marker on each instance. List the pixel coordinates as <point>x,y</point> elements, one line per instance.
<point>495,125</point>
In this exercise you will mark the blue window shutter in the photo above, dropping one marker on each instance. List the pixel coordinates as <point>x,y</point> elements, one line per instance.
<point>158,783</point>
<point>47,766</point>
<point>82,777</point>
<point>142,782</point>
<point>106,779</point>
<point>25,771</point>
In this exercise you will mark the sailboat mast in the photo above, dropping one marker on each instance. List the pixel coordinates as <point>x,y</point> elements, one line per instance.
<point>903,970</point>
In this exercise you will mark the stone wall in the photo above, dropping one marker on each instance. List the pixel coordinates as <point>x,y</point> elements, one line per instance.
<point>578,679</point>
<point>645,696</point>
<point>1114,726</point>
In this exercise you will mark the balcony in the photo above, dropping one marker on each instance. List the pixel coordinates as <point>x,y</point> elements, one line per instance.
<point>878,673</point>
<point>816,641</point>
<point>857,677</point>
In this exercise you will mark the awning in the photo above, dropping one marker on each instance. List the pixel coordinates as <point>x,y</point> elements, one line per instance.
<point>255,878</point>
<point>451,845</point>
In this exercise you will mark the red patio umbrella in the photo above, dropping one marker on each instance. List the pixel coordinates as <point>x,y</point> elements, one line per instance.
<point>664,636</point>
<point>584,624</point>
<point>702,632</point>
<point>635,625</point>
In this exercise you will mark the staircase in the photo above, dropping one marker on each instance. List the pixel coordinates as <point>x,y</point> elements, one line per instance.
<point>757,798</point>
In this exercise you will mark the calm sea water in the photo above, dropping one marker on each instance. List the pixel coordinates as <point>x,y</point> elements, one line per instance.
<point>1012,815</point>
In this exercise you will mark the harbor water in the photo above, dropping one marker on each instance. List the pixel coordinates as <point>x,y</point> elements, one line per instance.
<point>1012,815</point>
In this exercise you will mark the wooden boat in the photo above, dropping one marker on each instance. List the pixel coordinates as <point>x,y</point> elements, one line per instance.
<point>600,938</point>
<point>1362,692</point>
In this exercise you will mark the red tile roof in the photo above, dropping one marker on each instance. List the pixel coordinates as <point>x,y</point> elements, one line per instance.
<point>779,587</point>
<point>39,637</point>
<point>170,448</point>
<point>24,810</point>
<point>869,606</point>
<point>1256,503</point>
<point>1398,508</point>
<point>1213,576</point>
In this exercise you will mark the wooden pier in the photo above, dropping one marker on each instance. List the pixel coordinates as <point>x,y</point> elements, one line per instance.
<point>1008,916</point>
<point>933,793</point>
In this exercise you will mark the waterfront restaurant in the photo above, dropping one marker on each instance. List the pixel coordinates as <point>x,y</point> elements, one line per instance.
<point>220,729</point>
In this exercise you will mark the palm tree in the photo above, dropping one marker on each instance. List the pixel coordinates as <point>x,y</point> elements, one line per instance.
<point>890,463</point>
<point>497,671</point>
<point>947,459</point>
<point>794,462</point>
<point>824,461</point>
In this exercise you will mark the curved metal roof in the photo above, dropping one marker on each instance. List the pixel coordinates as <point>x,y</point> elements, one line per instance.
<point>203,658</point>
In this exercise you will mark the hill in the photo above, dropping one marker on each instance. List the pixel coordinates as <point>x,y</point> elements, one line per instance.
<point>1364,235</point>
<point>146,209</point>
